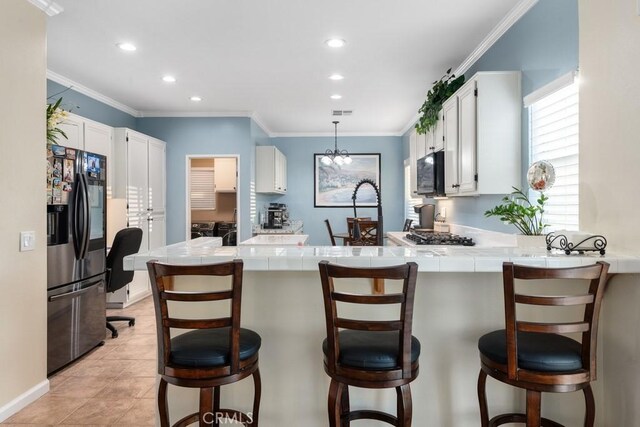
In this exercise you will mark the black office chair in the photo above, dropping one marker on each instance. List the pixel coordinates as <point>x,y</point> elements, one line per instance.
<point>126,242</point>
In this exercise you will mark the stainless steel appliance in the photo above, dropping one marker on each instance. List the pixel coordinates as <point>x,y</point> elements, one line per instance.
<point>431,238</point>
<point>427,216</point>
<point>430,174</point>
<point>226,230</point>
<point>202,229</point>
<point>76,254</point>
<point>277,216</point>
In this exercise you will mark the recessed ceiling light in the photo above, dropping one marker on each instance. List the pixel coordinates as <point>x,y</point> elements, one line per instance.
<point>335,42</point>
<point>336,96</point>
<point>126,46</point>
<point>169,79</point>
<point>336,77</point>
<point>195,99</point>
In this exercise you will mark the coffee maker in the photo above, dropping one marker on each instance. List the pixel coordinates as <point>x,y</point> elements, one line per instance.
<point>277,216</point>
<point>427,215</point>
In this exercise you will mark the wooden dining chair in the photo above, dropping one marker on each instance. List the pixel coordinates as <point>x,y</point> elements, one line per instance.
<point>368,234</point>
<point>333,239</point>
<point>372,354</point>
<point>537,356</point>
<point>215,352</point>
<point>350,221</point>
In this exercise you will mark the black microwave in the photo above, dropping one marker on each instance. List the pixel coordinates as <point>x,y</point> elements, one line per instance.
<point>430,173</point>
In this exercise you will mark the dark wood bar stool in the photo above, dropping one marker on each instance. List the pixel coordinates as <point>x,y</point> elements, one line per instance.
<point>369,353</point>
<point>538,356</point>
<point>216,352</point>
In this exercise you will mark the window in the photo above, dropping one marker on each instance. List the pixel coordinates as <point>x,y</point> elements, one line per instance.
<point>410,202</point>
<point>553,121</point>
<point>203,193</point>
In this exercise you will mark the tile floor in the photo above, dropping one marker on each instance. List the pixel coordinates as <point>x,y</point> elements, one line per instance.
<point>112,385</point>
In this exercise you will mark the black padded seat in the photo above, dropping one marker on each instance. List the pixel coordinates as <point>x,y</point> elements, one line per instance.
<point>371,350</point>
<point>536,351</point>
<point>210,347</point>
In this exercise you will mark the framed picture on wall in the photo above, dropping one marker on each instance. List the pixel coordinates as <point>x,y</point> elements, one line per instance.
<point>334,184</point>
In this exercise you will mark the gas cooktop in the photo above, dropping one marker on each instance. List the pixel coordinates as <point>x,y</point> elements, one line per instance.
<point>433,238</point>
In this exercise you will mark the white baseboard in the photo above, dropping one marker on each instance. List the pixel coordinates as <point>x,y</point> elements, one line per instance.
<point>24,399</point>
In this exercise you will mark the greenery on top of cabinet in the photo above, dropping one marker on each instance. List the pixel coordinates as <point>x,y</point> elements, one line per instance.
<point>442,89</point>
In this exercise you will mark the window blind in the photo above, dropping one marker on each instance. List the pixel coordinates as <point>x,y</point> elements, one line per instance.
<point>203,190</point>
<point>554,121</point>
<point>410,202</point>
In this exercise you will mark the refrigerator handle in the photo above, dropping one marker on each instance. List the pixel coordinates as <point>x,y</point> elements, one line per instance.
<point>69,294</point>
<point>75,226</point>
<point>87,217</point>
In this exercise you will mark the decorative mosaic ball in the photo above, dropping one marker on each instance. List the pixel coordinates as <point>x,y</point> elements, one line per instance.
<point>541,175</point>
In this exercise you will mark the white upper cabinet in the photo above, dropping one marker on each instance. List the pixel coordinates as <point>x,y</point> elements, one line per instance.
<point>482,150</point>
<point>467,138</point>
<point>413,159</point>
<point>450,130</point>
<point>271,170</point>
<point>88,135</point>
<point>225,173</point>
<point>98,138</point>
<point>73,128</point>
<point>437,132</point>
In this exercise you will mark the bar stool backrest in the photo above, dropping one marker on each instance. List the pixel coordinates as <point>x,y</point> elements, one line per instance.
<point>405,272</point>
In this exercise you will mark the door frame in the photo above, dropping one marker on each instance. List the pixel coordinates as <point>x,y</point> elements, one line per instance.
<point>187,186</point>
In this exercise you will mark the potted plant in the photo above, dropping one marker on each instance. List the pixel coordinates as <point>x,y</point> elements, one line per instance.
<point>442,89</point>
<point>55,116</point>
<point>517,209</point>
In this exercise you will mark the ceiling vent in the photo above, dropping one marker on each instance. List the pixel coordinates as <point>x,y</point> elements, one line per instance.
<point>341,112</point>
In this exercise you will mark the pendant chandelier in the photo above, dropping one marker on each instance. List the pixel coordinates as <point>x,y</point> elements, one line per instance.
<point>339,157</point>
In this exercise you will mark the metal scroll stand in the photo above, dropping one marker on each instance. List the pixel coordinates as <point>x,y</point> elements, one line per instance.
<point>356,226</point>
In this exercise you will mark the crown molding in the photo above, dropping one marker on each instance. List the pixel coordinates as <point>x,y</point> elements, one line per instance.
<point>194,114</point>
<point>410,125</point>
<point>329,134</point>
<point>53,76</point>
<point>256,118</point>
<point>49,7</point>
<point>513,16</point>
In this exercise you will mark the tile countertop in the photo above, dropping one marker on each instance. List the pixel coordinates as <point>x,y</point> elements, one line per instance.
<point>295,227</point>
<point>206,250</point>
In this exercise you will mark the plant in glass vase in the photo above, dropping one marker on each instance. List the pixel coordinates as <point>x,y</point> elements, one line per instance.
<point>518,210</point>
<point>55,116</point>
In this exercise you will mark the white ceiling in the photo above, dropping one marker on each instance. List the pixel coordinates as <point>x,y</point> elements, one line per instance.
<point>267,57</point>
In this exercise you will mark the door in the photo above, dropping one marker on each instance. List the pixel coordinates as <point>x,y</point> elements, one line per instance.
<point>156,166</point>
<point>468,136</point>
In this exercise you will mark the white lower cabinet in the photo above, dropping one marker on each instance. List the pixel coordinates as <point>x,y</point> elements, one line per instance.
<point>482,127</point>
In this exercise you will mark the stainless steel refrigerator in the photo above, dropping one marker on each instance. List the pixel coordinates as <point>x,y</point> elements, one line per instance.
<point>76,254</point>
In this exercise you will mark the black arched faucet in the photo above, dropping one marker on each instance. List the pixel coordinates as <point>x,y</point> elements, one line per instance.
<point>356,226</point>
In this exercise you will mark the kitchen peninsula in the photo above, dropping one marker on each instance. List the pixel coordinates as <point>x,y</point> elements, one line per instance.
<point>458,299</point>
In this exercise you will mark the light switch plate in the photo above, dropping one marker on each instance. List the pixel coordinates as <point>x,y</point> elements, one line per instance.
<point>27,240</point>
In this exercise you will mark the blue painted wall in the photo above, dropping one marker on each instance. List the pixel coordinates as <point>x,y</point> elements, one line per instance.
<point>202,135</point>
<point>89,108</point>
<point>543,44</point>
<point>300,182</point>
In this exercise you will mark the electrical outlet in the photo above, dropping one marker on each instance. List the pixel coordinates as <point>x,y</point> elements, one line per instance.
<point>443,212</point>
<point>27,240</point>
